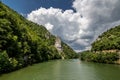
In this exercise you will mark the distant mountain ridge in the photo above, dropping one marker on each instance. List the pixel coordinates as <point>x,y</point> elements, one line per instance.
<point>23,42</point>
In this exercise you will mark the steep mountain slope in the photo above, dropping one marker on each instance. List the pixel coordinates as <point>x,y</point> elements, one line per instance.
<point>109,40</point>
<point>106,49</point>
<point>23,42</point>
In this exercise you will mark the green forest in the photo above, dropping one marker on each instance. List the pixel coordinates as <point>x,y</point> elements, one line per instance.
<point>108,40</point>
<point>100,57</point>
<point>23,42</point>
<point>106,48</point>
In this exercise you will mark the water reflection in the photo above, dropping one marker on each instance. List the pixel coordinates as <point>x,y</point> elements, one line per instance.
<point>73,69</point>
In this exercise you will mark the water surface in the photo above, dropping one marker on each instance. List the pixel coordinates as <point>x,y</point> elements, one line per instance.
<point>73,69</point>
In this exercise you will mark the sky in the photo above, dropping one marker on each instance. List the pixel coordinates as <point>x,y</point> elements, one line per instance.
<point>26,6</point>
<point>77,22</point>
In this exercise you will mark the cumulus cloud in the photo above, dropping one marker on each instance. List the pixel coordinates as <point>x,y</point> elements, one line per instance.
<point>79,29</point>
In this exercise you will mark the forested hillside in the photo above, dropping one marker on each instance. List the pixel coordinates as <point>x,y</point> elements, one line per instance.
<point>23,43</point>
<point>106,49</point>
<point>109,40</point>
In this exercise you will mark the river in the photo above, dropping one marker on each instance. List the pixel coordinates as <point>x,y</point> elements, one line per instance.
<point>72,69</point>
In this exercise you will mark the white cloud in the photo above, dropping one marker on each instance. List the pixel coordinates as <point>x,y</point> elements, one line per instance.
<point>49,26</point>
<point>79,29</point>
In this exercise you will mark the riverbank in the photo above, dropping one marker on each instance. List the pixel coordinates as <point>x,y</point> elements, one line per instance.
<point>117,62</point>
<point>100,57</point>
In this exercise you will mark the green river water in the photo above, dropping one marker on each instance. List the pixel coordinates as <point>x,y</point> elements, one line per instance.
<point>72,69</point>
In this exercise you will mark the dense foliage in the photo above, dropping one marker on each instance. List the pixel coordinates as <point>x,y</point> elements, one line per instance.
<point>106,48</point>
<point>23,42</point>
<point>108,40</point>
<point>100,57</point>
<point>67,50</point>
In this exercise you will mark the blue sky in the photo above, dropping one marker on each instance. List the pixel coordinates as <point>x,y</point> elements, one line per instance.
<point>26,6</point>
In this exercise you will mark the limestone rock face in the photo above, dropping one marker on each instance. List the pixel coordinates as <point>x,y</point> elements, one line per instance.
<point>59,47</point>
<point>58,44</point>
